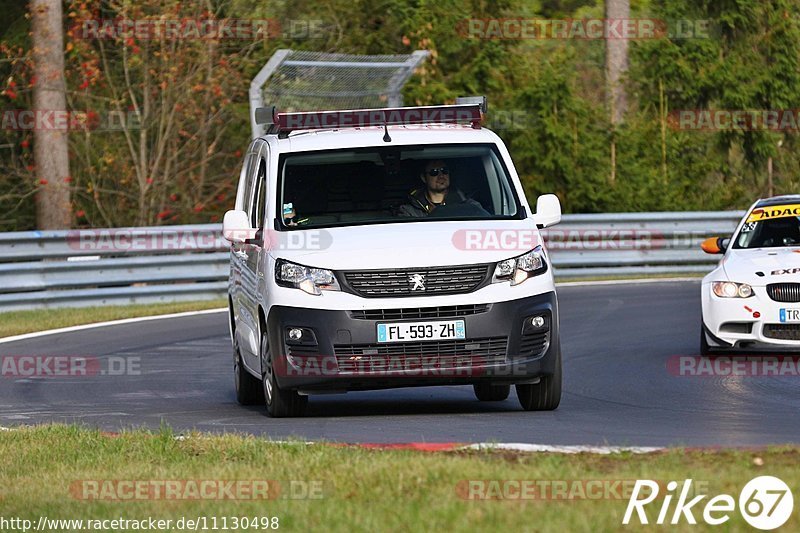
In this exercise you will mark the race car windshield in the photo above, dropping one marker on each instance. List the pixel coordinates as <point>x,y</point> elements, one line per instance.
<point>394,184</point>
<point>770,233</point>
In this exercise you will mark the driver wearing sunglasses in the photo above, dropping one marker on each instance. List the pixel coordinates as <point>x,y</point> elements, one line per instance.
<point>423,201</point>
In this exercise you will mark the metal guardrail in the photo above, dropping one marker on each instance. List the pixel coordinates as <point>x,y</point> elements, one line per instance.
<point>173,263</point>
<point>636,244</point>
<point>43,269</point>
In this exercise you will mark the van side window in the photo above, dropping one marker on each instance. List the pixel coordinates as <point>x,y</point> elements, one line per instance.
<point>244,194</point>
<point>259,198</point>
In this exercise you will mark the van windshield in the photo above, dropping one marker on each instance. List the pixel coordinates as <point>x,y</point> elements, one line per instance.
<point>394,184</point>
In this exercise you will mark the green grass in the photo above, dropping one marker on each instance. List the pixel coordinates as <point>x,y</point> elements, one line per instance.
<point>362,489</point>
<point>18,322</point>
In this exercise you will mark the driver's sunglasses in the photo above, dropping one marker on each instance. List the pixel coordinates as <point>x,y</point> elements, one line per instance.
<point>435,171</point>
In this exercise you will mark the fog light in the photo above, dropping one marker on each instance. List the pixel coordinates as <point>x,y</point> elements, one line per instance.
<point>295,334</point>
<point>537,321</point>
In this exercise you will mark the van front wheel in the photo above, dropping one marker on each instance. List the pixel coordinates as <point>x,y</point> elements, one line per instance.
<point>542,396</point>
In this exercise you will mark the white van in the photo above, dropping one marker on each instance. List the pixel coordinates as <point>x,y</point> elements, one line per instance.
<point>386,248</point>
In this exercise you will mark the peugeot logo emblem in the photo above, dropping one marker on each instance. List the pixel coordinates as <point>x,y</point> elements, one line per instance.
<point>418,281</point>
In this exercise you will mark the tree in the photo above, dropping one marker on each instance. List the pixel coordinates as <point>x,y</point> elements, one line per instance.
<point>616,66</point>
<point>167,116</point>
<point>51,157</point>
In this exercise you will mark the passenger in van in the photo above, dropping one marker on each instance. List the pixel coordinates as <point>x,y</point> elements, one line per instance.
<point>437,192</point>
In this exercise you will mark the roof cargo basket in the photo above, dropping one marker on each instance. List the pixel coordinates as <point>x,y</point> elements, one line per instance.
<point>284,123</point>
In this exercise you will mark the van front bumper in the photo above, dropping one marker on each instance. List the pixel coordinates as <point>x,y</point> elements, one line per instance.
<point>339,350</point>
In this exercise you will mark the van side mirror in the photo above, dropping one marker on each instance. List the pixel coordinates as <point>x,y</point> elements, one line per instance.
<point>715,245</point>
<point>548,211</point>
<point>236,227</point>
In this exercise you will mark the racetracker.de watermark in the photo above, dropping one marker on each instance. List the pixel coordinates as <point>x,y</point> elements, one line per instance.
<point>594,239</point>
<point>734,119</point>
<point>411,116</point>
<point>137,239</point>
<point>68,120</point>
<point>582,29</point>
<point>131,490</point>
<point>409,366</point>
<point>550,489</point>
<point>724,366</point>
<point>146,239</point>
<point>187,29</point>
<point>67,366</point>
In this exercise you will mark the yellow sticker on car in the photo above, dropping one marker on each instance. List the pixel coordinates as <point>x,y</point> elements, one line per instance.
<point>774,211</point>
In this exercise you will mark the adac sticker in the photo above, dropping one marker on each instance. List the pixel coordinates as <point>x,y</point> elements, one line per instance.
<point>775,211</point>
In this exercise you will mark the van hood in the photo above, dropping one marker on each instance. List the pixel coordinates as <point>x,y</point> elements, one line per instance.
<point>409,244</point>
<point>761,266</point>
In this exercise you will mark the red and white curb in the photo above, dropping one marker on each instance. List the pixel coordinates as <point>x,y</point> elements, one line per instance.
<point>462,446</point>
<point>452,446</point>
<point>506,446</point>
<point>547,448</point>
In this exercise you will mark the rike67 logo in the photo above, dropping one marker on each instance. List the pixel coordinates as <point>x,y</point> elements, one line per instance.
<point>765,503</point>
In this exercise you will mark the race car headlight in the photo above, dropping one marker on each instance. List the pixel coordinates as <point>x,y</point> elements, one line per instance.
<point>518,269</point>
<point>309,279</point>
<point>730,289</point>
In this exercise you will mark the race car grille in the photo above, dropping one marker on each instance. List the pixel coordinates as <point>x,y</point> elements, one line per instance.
<point>420,312</point>
<point>786,332</point>
<point>417,281</point>
<point>421,355</point>
<point>784,292</point>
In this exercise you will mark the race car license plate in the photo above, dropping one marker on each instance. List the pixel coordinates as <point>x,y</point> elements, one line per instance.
<point>421,331</point>
<point>790,315</point>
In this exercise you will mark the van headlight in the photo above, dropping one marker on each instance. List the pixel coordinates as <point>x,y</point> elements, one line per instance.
<point>730,289</point>
<point>309,279</point>
<point>518,269</point>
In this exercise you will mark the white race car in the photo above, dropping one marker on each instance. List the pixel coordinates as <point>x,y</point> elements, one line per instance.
<point>752,299</point>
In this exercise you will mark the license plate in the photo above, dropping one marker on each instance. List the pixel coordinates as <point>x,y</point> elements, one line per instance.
<point>790,315</point>
<point>421,331</point>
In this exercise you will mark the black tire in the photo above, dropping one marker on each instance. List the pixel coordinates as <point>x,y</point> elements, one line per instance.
<point>542,396</point>
<point>486,392</point>
<point>280,403</point>
<point>248,387</point>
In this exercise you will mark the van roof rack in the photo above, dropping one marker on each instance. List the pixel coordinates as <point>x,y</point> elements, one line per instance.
<point>282,124</point>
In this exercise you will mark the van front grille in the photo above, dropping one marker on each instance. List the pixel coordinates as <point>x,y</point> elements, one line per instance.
<point>420,312</point>
<point>417,281</point>
<point>428,354</point>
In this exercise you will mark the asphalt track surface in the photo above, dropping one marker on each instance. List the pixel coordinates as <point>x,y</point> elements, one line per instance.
<point>617,340</point>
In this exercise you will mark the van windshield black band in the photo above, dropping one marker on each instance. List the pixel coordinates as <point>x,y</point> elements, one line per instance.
<point>394,184</point>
